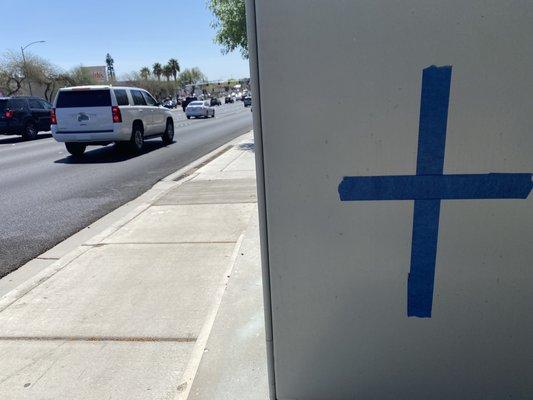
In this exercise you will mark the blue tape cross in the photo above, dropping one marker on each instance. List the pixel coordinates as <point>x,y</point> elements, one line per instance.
<point>429,186</point>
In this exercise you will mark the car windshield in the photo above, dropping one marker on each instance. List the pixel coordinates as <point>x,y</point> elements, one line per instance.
<point>84,98</point>
<point>197,103</point>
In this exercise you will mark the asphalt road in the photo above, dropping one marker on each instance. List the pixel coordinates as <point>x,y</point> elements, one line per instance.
<point>46,195</point>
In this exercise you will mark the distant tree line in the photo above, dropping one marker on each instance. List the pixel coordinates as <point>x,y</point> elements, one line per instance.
<point>172,70</point>
<point>164,80</point>
<point>47,78</point>
<point>15,74</point>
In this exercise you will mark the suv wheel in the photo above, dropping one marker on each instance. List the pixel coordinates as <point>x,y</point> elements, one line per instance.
<point>168,135</point>
<point>137,138</point>
<point>30,131</point>
<point>76,149</point>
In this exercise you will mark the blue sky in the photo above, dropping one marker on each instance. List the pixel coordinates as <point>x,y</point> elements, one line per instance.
<point>136,33</point>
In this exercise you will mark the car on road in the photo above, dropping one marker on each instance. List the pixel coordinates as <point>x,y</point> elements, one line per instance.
<point>104,114</point>
<point>24,115</point>
<point>228,99</point>
<point>169,104</point>
<point>187,100</point>
<point>215,101</point>
<point>247,101</point>
<point>199,109</point>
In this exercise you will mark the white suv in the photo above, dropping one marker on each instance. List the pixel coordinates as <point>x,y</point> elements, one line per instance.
<point>99,115</point>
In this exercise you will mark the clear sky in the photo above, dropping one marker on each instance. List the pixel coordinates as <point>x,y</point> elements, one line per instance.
<point>136,33</point>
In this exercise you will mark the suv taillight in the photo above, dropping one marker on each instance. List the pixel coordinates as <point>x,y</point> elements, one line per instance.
<point>53,118</point>
<point>8,114</point>
<point>117,116</point>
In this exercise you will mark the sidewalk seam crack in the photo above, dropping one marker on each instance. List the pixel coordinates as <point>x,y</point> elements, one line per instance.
<point>96,339</point>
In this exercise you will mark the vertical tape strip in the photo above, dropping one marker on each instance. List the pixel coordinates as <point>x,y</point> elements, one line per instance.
<point>430,161</point>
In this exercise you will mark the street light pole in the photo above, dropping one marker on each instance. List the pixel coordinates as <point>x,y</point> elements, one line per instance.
<point>24,62</point>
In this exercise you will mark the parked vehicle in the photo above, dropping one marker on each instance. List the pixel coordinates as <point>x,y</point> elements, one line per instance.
<point>187,100</point>
<point>199,109</point>
<point>25,115</point>
<point>215,101</point>
<point>169,104</point>
<point>247,101</point>
<point>99,115</point>
<point>228,99</point>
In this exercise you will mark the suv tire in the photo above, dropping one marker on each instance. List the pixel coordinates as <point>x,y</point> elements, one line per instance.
<point>136,142</point>
<point>76,149</point>
<point>30,131</point>
<point>168,135</point>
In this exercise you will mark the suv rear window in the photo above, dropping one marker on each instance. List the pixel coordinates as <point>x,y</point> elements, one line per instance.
<point>83,98</point>
<point>3,104</point>
<point>122,97</point>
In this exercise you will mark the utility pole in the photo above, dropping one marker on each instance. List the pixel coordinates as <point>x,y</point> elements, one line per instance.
<point>110,67</point>
<point>24,62</point>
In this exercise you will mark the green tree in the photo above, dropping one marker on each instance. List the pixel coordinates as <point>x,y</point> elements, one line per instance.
<point>157,69</point>
<point>145,73</point>
<point>47,76</point>
<point>191,76</point>
<point>175,67</point>
<point>167,72</point>
<point>80,76</point>
<point>230,24</point>
<point>13,73</point>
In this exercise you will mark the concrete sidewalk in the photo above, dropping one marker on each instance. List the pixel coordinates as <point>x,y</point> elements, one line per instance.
<point>165,303</point>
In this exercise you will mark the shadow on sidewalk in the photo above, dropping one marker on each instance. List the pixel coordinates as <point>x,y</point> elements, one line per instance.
<point>247,147</point>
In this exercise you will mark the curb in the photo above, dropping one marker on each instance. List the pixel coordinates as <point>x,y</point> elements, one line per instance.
<point>25,287</point>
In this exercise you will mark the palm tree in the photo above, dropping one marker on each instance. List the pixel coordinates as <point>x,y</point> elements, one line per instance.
<point>157,69</point>
<point>145,73</point>
<point>167,72</point>
<point>175,66</point>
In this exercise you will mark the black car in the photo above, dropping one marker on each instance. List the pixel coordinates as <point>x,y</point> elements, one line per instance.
<point>186,102</point>
<point>228,99</point>
<point>24,115</point>
<point>247,101</point>
<point>215,101</point>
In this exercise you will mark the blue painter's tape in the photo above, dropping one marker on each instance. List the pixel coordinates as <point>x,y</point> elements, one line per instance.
<point>433,119</point>
<point>423,256</point>
<point>429,186</point>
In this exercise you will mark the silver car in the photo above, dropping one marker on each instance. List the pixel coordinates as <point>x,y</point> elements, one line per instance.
<point>199,109</point>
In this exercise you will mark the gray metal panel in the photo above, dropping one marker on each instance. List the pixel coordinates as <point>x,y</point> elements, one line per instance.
<point>261,190</point>
<point>339,85</point>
